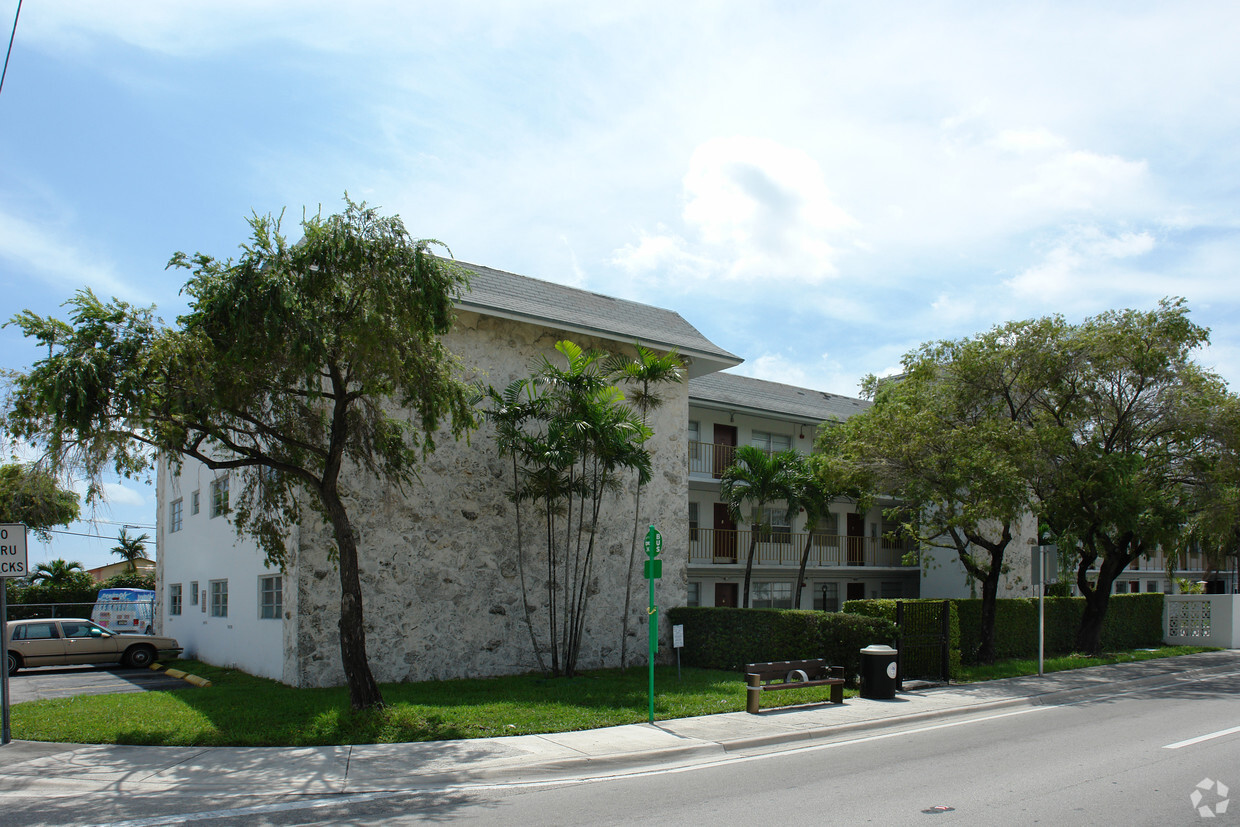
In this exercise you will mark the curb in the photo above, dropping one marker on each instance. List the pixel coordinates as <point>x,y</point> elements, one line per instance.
<point>177,673</point>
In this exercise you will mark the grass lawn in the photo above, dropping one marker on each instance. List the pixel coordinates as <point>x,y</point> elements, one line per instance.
<point>241,710</point>
<point>1018,668</point>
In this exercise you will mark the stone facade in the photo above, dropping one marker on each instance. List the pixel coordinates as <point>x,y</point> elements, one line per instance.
<point>439,560</point>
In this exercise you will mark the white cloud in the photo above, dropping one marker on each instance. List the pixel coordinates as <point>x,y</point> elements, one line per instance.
<point>46,249</point>
<point>1082,263</point>
<point>757,210</point>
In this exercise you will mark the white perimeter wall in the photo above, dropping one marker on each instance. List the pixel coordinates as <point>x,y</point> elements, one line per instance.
<point>1202,620</point>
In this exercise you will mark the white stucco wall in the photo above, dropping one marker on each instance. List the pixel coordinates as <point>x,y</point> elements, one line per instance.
<point>207,549</point>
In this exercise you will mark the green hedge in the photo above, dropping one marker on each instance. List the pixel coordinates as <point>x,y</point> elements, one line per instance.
<point>724,638</point>
<point>1133,621</point>
<point>886,609</point>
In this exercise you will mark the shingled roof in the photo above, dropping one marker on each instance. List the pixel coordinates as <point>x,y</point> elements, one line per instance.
<point>729,391</point>
<point>507,295</point>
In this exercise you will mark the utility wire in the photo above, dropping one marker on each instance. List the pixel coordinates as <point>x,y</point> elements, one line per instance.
<point>10,51</point>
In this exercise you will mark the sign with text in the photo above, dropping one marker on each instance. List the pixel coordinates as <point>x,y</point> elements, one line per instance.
<point>13,550</point>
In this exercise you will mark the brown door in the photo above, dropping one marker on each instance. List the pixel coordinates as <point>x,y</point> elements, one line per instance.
<point>855,591</point>
<point>725,448</point>
<point>725,594</point>
<point>725,535</point>
<point>856,539</point>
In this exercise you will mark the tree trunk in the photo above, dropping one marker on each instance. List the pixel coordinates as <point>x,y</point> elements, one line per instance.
<point>628,581</point>
<point>363,691</point>
<point>753,544</point>
<point>986,625</point>
<point>796,590</point>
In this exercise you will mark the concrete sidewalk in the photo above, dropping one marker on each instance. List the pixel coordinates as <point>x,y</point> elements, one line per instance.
<point>67,769</point>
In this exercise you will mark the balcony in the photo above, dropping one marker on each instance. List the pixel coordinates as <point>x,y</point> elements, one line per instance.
<point>709,459</point>
<point>712,546</point>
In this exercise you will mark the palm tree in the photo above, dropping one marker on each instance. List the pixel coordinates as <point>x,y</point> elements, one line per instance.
<point>816,482</point>
<point>757,479</point>
<point>57,573</point>
<point>643,372</point>
<point>131,548</point>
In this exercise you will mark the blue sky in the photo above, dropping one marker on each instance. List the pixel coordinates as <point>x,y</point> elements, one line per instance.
<point>818,187</point>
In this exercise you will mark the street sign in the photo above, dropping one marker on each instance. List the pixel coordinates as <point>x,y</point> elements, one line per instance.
<point>653,569</point>
<point>654,542</point>
<point>13,550</point>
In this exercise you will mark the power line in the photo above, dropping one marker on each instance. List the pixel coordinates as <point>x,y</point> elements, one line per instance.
<point>12,37</point>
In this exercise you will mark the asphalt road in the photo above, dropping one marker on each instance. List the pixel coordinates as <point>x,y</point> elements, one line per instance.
<point>1141,756</point>
<point>66,681</point>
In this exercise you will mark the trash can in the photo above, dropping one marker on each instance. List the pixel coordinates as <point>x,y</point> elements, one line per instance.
<point>879,677</point>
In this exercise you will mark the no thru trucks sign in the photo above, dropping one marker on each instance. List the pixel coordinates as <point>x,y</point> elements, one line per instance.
<point>12,550</point>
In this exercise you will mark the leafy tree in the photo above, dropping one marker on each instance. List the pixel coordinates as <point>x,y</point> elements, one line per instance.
<point>1144,446</point>
<point>294,361</point>
<point>31,496</point>
<point>952,438</point>
<point>571,437</point>
<point>130,549</point>
<point>643,374</point>
<point>756,479</point>
<point>129,580</point>
<point>60,573</point>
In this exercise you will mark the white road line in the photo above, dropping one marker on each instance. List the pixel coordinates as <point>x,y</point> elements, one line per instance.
<point>305,804</point>
<point>1201,738</point>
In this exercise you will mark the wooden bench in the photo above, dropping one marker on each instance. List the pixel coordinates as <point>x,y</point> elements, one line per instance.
<point>792,674</point>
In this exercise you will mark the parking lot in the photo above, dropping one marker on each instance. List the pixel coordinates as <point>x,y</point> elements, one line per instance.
<point>66,681</point>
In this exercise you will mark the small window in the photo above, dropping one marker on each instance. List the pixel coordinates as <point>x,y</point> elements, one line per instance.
<point>219,496</point>
<point>219,598</point>
<point>270,597</point>
<point>1151,585</point>
<point>776,519</point>
<point>890,590</point>
<point>193,593</point>
<point>174,599</point>
<point>175,515</point>
<point>694,595</point>
<point>193,503</point>
<point>771,443</point>
<point>693,524</point>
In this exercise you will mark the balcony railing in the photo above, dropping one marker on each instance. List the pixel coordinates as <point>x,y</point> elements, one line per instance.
<point>710,458</point>
<point>784,548</point>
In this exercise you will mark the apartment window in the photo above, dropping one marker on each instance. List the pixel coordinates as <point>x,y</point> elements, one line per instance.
<point>772,596</point>
<point>827,597</point>
<point>693,597</point>
<point>771,443</point>
<point>697,452</point>
<point>693,522</point>
<point>1151,585</point>
<point>219,496</point>
<point>826,533</point>
<point>174,599</point>
<point>193,593</point>
<point>175,515</point>
<point>890,591</point>
<point>219,598</point>
<point>270,597</point>
<point>193,503</point>
<point>777,519</point>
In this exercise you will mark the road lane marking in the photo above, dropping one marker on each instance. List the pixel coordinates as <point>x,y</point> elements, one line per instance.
<point>1200,738</point>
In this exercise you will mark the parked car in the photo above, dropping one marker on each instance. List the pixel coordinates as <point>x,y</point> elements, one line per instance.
<point>60,641</point>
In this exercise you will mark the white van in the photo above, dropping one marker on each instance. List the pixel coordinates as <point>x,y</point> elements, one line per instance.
<point>125,610</point>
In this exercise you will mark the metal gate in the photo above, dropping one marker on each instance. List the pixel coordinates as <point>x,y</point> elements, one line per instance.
<point>924,644</point>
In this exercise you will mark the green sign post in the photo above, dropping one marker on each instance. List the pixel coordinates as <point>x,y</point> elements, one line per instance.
<point>654,571</point>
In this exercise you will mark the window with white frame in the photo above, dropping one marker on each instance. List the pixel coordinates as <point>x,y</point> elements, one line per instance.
<point>771,596</point>
<point>270,597</point>
<point>174,599</point>
<point>693,597</point>
<point>219,496</point>
<point>697,451</point>
<point>777,520</point>
<point>193,593</point>
<point>219,598</point>
<point>771,443</point>
<point>693,522</point>
<point>193,502</point>
<point>175,515</point>
<point>826,533</point>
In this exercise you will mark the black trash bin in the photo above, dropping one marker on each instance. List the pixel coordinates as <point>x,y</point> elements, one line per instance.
<point>879,677</point>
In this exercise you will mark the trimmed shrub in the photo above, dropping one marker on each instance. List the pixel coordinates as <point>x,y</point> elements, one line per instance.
<point>725,638</point>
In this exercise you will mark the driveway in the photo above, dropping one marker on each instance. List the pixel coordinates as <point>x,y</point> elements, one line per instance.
<point>66,681</point>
